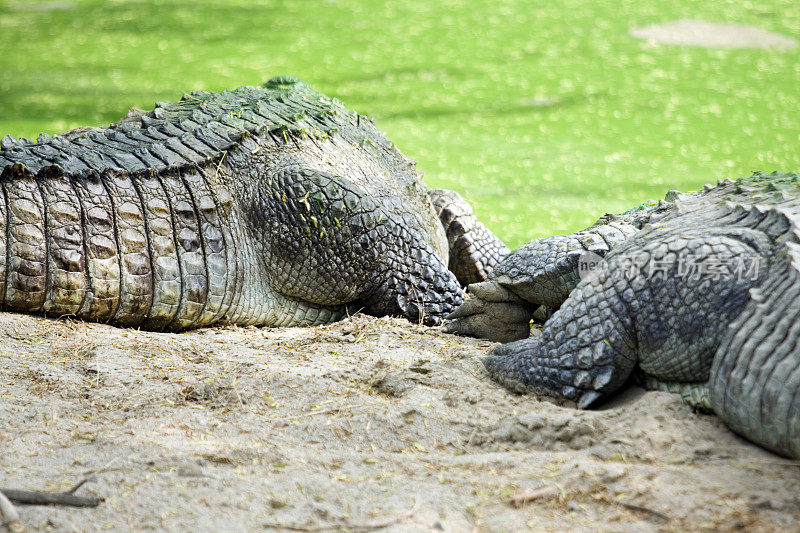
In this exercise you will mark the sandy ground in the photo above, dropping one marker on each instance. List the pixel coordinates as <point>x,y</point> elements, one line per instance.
<point>690,32</point>
<point>361,425</point>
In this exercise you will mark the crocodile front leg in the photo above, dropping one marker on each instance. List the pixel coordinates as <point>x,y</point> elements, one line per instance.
<point>542,272</point>
<point>640,310</point>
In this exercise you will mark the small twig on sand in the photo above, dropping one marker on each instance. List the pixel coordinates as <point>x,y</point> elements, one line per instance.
<point>521,498</point>
<point>639,508</point>
<point>32,497</point>
<point>79,484</point>
<point>9,517</point>
<point>471,436</point>
<point>105,468</point>
<point>366,526</point>
<point>313,413</point>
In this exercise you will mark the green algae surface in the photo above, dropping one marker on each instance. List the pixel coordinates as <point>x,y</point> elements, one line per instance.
<point>544,115</point>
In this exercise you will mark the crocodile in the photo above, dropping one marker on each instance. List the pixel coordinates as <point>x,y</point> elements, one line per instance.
<point>271,205</point>
<point>698,294</point>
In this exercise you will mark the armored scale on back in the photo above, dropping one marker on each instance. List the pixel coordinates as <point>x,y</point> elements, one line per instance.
<point>270,205</point>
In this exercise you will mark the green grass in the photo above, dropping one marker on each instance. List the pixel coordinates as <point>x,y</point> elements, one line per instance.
<point>544,114</point>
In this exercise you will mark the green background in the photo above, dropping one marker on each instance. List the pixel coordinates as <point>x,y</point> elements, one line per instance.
<point>544,114</point>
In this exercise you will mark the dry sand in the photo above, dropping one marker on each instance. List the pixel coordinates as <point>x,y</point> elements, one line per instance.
<point>712,35</point>
<point>361,425</point>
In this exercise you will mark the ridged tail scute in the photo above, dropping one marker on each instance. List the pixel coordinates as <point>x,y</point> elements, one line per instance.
<point>26,245</point>
<point>216,241</point>
<point>3,241</point>
<point>102,253</point>
<point>66,262</point>
<point>130,233</point>
<point>755,378</point>
<point>191,263</point>
<point>163,251</point>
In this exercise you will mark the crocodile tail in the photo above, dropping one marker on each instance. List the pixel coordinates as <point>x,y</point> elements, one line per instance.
<point>474,249</point>
<point>755,378</point>
<point>25,258</point>
<point>131,249</point>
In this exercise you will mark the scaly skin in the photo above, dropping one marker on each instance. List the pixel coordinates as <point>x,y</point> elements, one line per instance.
<point>540,274</point>
<point>270,205</point>
<point>724,339</point>
<point>474,250</point>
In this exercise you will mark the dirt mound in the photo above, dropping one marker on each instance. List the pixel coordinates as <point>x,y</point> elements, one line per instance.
<point>361,425</point>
